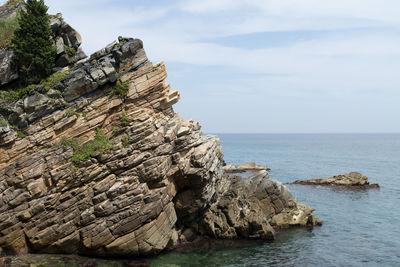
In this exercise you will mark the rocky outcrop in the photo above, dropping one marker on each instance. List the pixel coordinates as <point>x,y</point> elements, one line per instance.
<point>148,176</point>
<point>252,207</point>
<point>117,203</point>
<point>98,163</point>
<point>67,41</point>
<point>350,180</point>
<point>246,167</point>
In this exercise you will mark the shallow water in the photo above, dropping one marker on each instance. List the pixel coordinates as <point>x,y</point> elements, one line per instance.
<point>361,227</point>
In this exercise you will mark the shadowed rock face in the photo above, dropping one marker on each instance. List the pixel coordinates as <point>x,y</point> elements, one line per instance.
<point>352,179</point>
<point>161,177</point>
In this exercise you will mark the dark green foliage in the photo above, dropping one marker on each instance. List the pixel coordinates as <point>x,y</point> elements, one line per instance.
<point>70,50</point>
<point>121,89</point>
<point>21,134</point>
<point>92,148</point>
<point>7,97</point>
<point>34,52</point>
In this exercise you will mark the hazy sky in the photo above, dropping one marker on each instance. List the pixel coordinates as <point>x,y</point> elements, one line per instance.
<point>263,65</point>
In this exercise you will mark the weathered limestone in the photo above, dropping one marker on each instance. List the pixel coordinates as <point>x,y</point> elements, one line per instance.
<point>350,180</point>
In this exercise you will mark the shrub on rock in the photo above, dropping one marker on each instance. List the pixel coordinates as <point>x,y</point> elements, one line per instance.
<point>34,53</point>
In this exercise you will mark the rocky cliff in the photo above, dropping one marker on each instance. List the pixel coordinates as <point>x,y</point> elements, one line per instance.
<point>98,163</point>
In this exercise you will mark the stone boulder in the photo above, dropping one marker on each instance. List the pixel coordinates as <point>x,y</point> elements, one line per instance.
<point>350,180</point>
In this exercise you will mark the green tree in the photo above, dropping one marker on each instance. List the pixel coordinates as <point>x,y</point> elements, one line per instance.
<point>34,52</point>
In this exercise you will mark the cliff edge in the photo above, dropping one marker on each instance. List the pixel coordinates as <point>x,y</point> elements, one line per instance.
<point>98,163</point>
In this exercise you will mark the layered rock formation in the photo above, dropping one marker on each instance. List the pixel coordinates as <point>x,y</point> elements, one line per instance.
<point>351,180</point>
<point>98,163</point>
<point>119,202</point>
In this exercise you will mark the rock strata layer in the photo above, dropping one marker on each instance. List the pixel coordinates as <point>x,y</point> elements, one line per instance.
<point>351,180</point>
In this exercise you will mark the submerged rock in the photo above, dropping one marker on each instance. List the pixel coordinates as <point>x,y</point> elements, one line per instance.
<point>351,180</point>
<point>250,166</point>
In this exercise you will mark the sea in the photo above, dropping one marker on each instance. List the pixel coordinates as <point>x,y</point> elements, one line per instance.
<point>360,227</point>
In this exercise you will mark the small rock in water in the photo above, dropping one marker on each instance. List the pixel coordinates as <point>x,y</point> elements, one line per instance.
<point>351,180</point>
<point>249,166</point>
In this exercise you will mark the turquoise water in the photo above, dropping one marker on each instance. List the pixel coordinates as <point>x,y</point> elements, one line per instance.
<point>361,227</point>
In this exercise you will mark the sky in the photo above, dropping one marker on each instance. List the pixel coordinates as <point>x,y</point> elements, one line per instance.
<point>271,66</point>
